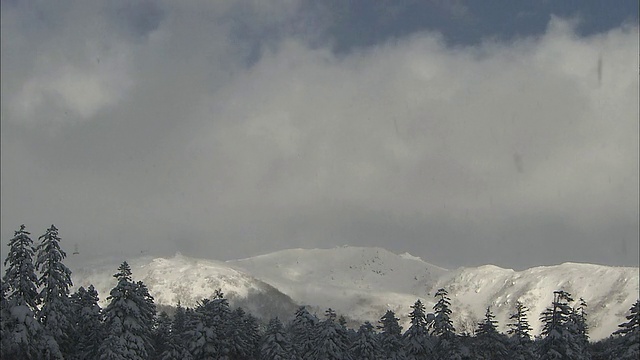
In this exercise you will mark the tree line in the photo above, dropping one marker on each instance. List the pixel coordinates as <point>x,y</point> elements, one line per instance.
<point>41,319</point>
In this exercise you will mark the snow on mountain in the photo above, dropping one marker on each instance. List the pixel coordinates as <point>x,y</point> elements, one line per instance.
<point>189,280</point>
<point>362,283</point>
<point>608,291</point>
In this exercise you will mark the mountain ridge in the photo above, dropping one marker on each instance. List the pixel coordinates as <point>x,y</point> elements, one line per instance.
<point>362,283</point>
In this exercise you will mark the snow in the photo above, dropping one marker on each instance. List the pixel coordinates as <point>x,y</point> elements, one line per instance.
<point>362,283</point>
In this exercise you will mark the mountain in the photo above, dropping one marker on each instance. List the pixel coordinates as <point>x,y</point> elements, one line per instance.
<point>362,283</point>
<point>188,281</point>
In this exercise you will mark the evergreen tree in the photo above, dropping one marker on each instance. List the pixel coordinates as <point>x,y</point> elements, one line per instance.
<point>55,280</point>
<point>365,346</point>
<point>521,344</point>
<point>629,334</point>
<point>489,343</point>
<point>161,335</point>
<point>24,337</point>
<point>331,343</point>
<point>208,329</point>
<point>244,335</point>
<point>303,332</point>
<point>390,337</point>
<point>87,322</point>
<point>447,346</point>
<point>416,339</point>
<point>558,342</point>
<point>128,319</point>
<point>175,348</point>
<point>579,328</point>
<point>276,344</point>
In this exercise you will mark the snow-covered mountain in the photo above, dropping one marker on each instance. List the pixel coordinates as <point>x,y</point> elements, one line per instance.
<point>362,283</point>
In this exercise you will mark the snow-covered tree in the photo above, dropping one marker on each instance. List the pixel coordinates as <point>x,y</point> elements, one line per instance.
<point>128,319</point>
<point>175,348</point>
<point>55,281</point>
<point>579,328</point>
<point>331,343</point>
<point>519,326</point>
<point>303,332</point>
<point>244,335</point>
<point>519,329</point>
<point>489,343</point>
<point>24,337</point>
<point>416,340</point>
<point>208,329</point>
<point>391,337</point>
<point>447,346</point>
<point>558,342</point>
<point>276,344</point>
<point>366,345</point>
<point>629,333</point>
<point>87,321</point>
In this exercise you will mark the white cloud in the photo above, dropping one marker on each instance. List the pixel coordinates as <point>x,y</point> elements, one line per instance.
<point>411,144</point>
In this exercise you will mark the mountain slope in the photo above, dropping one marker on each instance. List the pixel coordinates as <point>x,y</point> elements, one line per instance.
<point>608,291</point>
<point>362,283</point>
<point>189,280</point>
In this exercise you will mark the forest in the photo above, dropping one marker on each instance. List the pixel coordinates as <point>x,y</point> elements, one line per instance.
<point>42,319</point>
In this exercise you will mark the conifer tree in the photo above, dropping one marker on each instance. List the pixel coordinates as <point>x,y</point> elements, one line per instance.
<point>365,345</point>
<point>303,332</point>
<point>276,344</point>
<point>24,337</point>
<point>489,343</point>
<point>629,333</point>
<point>128,319</point>
<point>244,335</point>
<point>391,337</point>
<point>447,346</point>
<point>521,344</point>
<point>55,281</point>
<point>416,340</point>
<point>558,342</point>
<point>579,328</point>
<point>331,343</point>
<point>87,322</point>
<point>161,335</point>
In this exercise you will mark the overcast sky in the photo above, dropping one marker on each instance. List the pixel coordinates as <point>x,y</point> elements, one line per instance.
<point>460,132</point>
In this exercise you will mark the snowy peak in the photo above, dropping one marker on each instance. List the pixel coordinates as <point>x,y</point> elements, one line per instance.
<point>362,283</point>
<point>608,291</point>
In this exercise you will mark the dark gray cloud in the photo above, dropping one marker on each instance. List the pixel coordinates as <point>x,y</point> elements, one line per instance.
<point>228,129</point>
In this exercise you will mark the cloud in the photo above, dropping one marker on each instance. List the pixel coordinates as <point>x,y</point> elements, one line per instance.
<point>204,134</point>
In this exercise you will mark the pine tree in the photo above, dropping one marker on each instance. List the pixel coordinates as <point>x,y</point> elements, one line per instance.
<point>365,345</point>
<point>579,328</point>
<point>390,337</point>
<point>208,329</point>
<point>303,332</point>
<point>558,341</point>
<point>629,334</point>
<point>331,342</point>
<point>489,343</point>
<point>24,337</point>
<point>87,322</point>
<point>276,344</point>
<point>244,335</point>
<point>175,348</point>
<point>447,346</point>
<point>161,335</point>
<point>416,339</point>
<point>521,344</point>
<point>55,281</point>
<point>128,319</point>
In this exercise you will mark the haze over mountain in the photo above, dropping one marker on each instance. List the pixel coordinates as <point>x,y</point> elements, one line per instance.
<point>362,283</point>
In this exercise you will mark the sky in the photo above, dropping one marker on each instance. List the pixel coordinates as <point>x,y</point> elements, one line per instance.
<point>463,132</point>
